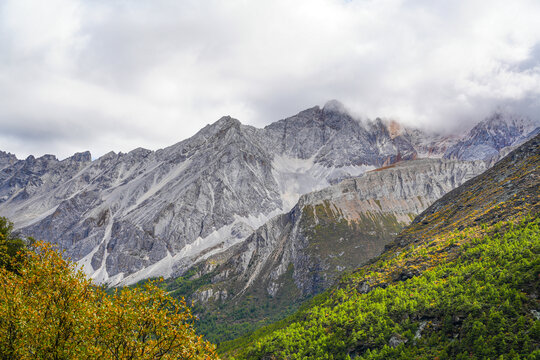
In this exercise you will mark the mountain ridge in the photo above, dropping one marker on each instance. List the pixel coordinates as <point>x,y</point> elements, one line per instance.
<point>123,213</point>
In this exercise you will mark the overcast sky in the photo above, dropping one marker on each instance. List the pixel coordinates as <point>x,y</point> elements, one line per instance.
<point>105,75</point>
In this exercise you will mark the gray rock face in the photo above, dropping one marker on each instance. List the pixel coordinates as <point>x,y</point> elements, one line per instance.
<point>6,159</point>
<point>396,340</point>
<point>490,136</point>
<point>25,185</point>
<point>126,212</point>
<point>125,217</point>
<point>333,138</point>
<point>334,229</point>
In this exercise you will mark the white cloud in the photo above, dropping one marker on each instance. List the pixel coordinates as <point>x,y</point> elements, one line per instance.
<point>115,75</point>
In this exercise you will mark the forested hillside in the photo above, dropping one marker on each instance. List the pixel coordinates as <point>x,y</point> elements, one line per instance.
<point>460,283</point>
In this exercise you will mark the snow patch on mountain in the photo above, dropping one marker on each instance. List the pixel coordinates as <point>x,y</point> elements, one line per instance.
<point>296,177</point>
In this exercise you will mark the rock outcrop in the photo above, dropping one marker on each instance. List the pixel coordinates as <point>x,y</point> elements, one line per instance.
<point>6,159</point>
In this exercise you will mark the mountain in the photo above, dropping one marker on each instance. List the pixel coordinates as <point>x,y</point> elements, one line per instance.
<point>460,282</point>
<point>332,230</point>
<point>508,189</point>
<point>333,138</point>
<point>6,159</point>
<point>155,213</point>
<point>493,134</point>
<point>23,183</point>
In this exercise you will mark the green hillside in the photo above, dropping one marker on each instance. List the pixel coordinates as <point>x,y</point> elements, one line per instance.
<point>462,282</point>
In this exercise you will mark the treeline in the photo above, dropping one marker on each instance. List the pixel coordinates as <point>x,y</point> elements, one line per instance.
<point>50,310</point>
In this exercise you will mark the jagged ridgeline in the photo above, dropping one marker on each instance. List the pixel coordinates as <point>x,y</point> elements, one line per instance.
<point>127,217</point>
<point>461,282</point>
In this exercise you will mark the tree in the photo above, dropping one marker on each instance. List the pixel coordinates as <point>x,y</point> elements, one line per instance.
<point>50,310</point>
<point>11,247</point>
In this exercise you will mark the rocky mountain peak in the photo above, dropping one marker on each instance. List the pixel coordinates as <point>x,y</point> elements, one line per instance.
<point>502,127</point>
<point>491,135</point>
<point>221,126</point>
<point>140,152</point>
<point>31,163</point>
<point>49,157</point>
<point>334,106</point>
<point>85,156</point>
<point>379,126</point>
<point>108,156</point>
<point>6,159</point>
<point>395,129</point>
<point>226,122</point>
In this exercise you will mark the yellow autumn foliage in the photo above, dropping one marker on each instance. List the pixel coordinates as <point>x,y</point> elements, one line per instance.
<point>50,310</point>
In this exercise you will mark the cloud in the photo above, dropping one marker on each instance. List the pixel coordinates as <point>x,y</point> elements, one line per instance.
<point>116,75</point>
